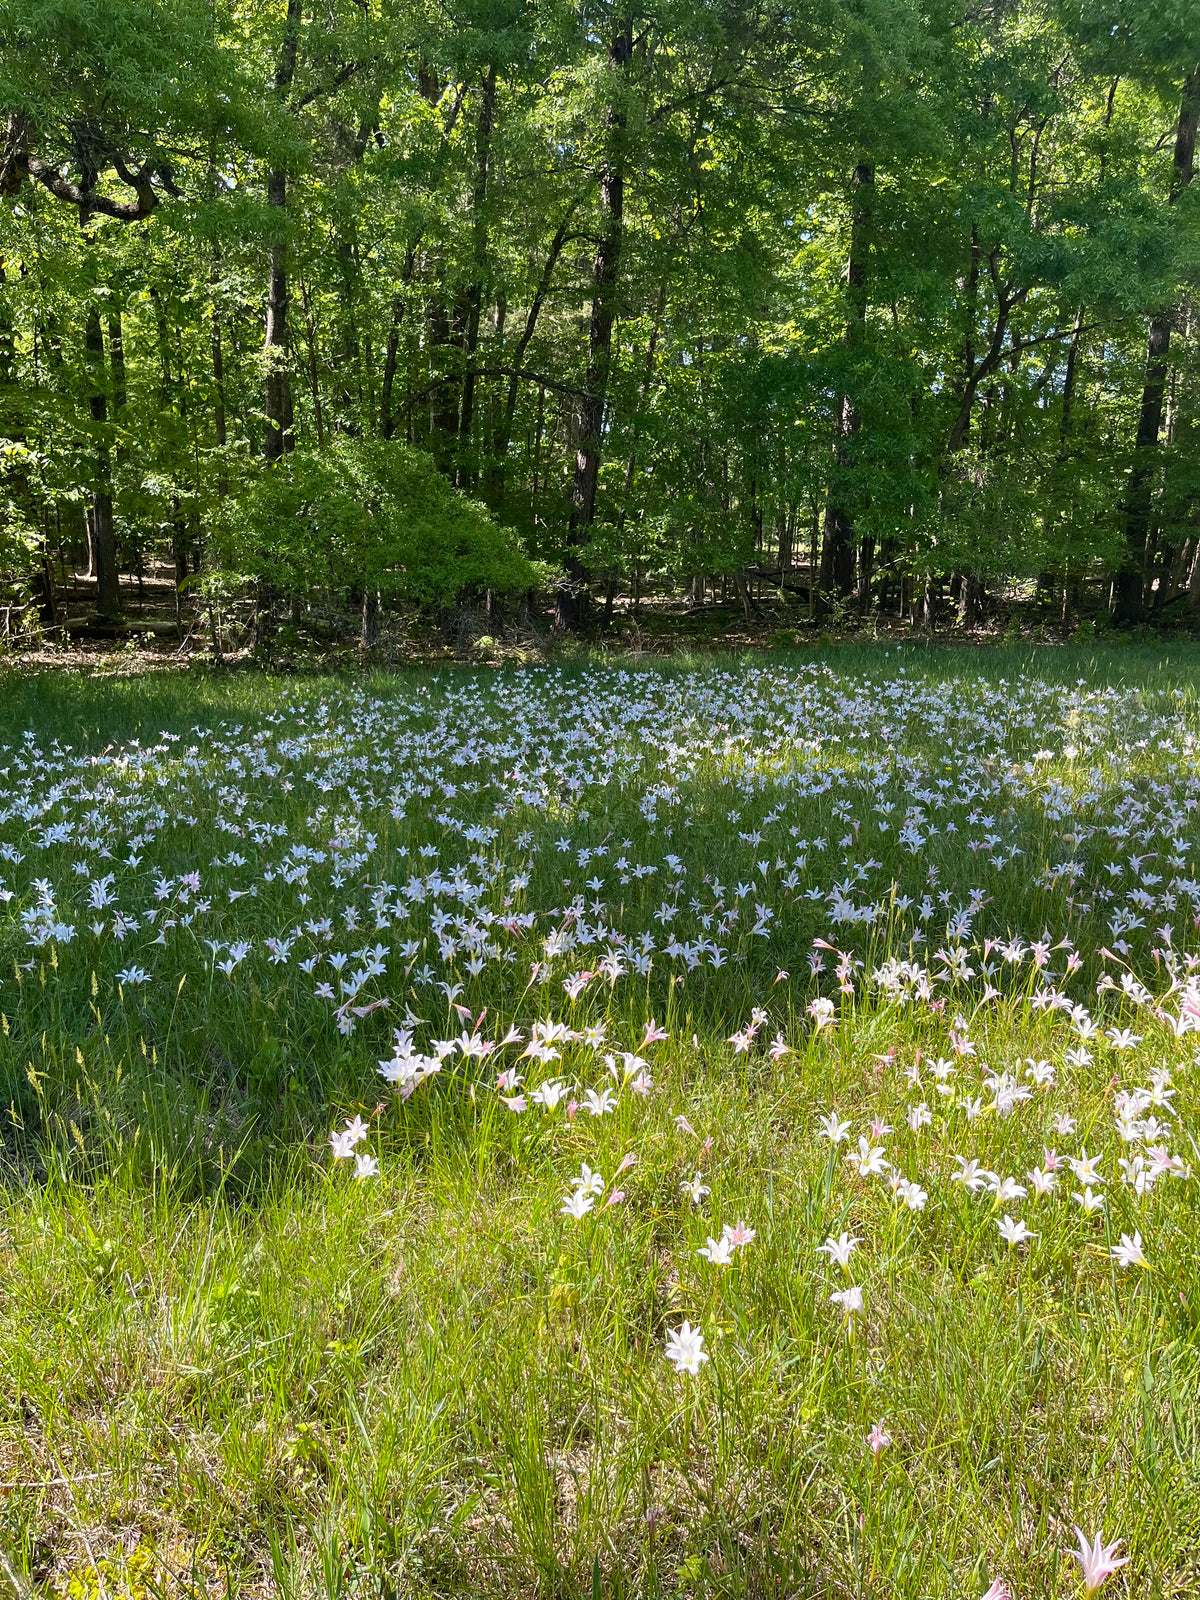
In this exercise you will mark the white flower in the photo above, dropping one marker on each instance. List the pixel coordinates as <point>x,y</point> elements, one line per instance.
<point>1123,1038</point>
<point>1006,1189</point>
<point>549,1094</point>
<point>1084,1168</point>
<point>717,1252</point>
<point>695,1187</point>
<point>1129,1252</point>
<point>868,1160</point>
<point>832,1129</point>
<point>685,1349</point>
<point>1014,1232</point>
<point>578,1204</point>
<point>839,1249</point>
<point>850,1300</point>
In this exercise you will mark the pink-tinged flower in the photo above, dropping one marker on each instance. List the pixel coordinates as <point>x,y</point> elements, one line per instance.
<point>514,1102</point>
<point>627,1161</point>
<point>878,1440</point>
<point>1098,1560</point>
<point>997,1590</point>
<point>572,1108</point>
<point>614,1198</point>
<point>653,1034</point>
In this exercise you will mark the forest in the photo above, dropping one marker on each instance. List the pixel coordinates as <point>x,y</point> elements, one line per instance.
<point>320,311</point>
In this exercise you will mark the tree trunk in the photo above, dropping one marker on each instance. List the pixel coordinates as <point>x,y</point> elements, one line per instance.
<point>837,558</point>
<point>787,534</point>
<point>503,433</point>
<point>370,619</point>
<point>104,544</point>
<point>1128,584</point>
<point>279,435</point>
<point>589,408</point>
<point>7,345</point>
<point>443,396</point>
<point>1068,396</point>
<point>483,145</point>
<point>387,418</point>
<point>116,361</point>
<point>970,600</point>
<point>314,380</point>
<point>219,432</point>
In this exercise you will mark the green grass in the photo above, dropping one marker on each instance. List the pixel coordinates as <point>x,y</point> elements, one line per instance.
<point>229,1367</point>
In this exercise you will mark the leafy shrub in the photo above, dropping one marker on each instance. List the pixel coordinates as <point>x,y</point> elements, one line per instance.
<point>20,539</point>
<point>370,514</point>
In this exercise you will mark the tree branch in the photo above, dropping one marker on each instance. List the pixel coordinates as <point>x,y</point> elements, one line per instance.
<point>86,199</point>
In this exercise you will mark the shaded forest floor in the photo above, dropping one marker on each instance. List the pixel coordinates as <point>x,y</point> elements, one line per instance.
<point>155,634</point>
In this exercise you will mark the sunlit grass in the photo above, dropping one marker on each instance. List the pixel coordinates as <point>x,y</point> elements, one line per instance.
<point>231,1366</point>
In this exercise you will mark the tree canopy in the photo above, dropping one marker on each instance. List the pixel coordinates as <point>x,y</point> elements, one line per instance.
<point>875,301</point>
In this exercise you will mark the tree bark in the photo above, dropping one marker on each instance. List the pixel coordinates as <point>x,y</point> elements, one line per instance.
<point>279,434</point>
<point>1128,584</point>
<point>7,345</point>
<point>314,378</point>
<point>218,372</point>
<point>443,391</point>
<point>370,619</point>
<point>588,421</point>
<point>479,229</point>
<point>837,554</point>
<point>1068,396</point>
<point>502,436</point>
<point>104,543</point>
<point>387,419</point>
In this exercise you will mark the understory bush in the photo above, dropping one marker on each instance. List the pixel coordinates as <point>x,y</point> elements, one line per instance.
<point>367,514</point>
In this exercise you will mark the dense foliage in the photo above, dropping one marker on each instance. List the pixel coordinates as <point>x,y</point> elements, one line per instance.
<point>874,300</point>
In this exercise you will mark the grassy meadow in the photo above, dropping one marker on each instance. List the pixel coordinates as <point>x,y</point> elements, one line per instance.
<point>392,1067</point>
